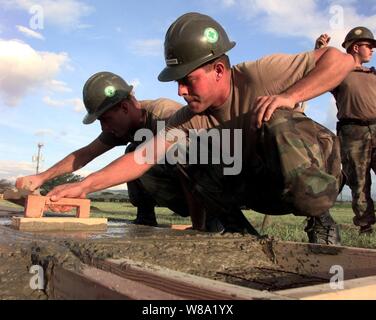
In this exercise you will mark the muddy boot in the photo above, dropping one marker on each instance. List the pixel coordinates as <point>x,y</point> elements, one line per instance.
<point>236,222</point>
<point>212,223</point>
<point>323,230</point>
<point>146,215</point>
<point>366,230</point>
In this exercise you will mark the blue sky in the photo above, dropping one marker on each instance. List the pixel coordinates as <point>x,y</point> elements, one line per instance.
<point>43,66</point>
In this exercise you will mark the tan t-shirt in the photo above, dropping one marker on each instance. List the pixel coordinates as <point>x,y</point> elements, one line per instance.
<point>356,96</point>
<point>270,75</point>
<point>155,110</point>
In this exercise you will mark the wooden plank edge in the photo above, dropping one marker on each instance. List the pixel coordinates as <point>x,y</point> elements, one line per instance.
<point>356,289</point>
<point>59,224</point>
<point>189,286</point>
<point>96,284</point>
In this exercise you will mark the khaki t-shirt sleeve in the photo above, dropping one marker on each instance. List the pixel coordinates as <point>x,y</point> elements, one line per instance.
<point>277,73</point>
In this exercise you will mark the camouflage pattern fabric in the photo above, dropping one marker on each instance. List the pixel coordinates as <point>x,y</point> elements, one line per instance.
<point>305,158</point>
<point>358,151</point>
<point>296,169</point>
<point>160,185</point>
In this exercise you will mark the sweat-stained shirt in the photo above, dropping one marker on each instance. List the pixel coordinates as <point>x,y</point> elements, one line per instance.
<point>155,110</point>
<point>270,75</point>
<point>356,95</point>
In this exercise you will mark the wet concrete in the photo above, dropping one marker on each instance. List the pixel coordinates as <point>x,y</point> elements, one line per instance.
<point>233,258</point>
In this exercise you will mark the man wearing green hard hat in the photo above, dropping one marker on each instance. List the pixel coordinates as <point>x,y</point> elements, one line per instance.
<point>290,164</point>
<point>356,127</point>
<point>109,99</point>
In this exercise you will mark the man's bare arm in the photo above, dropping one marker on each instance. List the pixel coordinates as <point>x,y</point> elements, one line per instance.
<point>74,161</point>
<point>332,67</point>
<point>124,169</point>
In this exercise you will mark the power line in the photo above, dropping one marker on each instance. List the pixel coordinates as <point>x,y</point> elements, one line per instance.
<point>39,157</point>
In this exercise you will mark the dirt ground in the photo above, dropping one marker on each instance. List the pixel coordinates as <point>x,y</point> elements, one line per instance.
<point>233,258</point>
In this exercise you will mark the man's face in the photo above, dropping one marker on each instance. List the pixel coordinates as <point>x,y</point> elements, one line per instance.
<point>198,88</point>
<point>116,121</point>
<point>365,51</point>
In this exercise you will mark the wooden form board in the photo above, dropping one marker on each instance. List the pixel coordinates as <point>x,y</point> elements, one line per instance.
<point>126,279</point>
<point>357,289</point>
<point>186,286</point>
<point>59,224</point>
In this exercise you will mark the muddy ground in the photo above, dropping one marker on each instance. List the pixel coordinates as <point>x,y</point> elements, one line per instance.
<point>233,258</point>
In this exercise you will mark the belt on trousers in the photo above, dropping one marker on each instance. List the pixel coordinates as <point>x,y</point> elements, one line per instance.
<point>357,122</point>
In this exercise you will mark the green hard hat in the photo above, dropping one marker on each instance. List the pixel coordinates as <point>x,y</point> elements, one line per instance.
<point>101,92</point>
<point>358,34</point>
<point>191,41</point>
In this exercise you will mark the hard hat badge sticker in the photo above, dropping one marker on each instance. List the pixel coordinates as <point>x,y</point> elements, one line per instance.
<point>211,35</point>
<point>110,91</point>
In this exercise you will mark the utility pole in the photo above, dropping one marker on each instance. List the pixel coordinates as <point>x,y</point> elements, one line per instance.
<point>38,158</point>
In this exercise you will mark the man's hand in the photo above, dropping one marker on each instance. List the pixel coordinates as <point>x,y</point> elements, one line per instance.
<point>322,41</point>
<point>29,182</point>
<point>69,190</point>
<point>266,105</point>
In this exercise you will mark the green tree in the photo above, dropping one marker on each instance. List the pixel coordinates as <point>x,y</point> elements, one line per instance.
<point>65,178</point>
<point>5,185</point>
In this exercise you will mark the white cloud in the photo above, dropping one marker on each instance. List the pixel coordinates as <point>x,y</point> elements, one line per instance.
<point>148,47</point>
<point>53,103</point>
<point>58,86</point>
<point>306,19</point>
<point>22,69</point>
<point>331,115</point>
<point>11,170</point>
<point>44,132</point>
<point>76,103</point>
<point>66,14</point>
<point>228,3</point>
<point>29,33</point>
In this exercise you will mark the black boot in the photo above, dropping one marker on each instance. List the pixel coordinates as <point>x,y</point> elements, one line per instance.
<point>212,223</point>
<point>367,229</point>
<point>323,230</point>
<point>234,221</point>
<point>146,216</point>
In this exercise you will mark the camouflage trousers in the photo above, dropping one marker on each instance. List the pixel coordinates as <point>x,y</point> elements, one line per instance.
<point>358,151</point>
<point>159,186</point>
<point>296,168</point>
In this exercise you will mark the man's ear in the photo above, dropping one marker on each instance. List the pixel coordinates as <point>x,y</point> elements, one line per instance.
<point>355,48</point>
<point>124,106</point>
<point>219,69</point>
